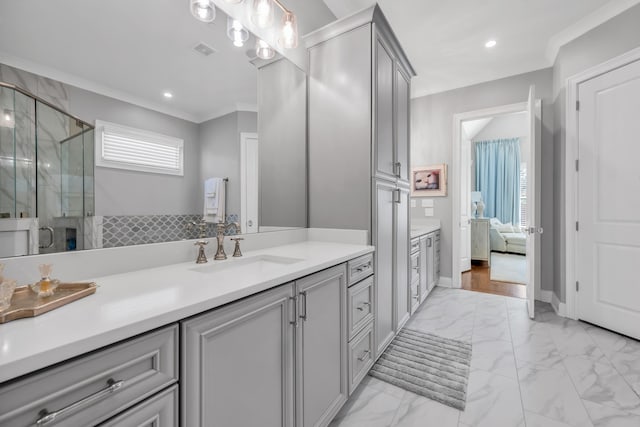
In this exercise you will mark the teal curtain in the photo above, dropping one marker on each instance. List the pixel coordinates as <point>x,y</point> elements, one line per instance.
<point>498,178</point>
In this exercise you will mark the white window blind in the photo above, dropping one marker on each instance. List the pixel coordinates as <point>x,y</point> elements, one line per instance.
<point>523,195</point>
<point>123,147</point>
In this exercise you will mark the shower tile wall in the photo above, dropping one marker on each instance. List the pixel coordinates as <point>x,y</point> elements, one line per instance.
<point>50,90</point>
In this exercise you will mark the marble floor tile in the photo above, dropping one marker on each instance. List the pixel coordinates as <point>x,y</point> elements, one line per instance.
<point>605,416</point>
<point>536,420</point>
<point>495,327</point>
<point>492,400</point>
<point>521,326</point>
<point>628,365</point>
<point>536,349</point>
<point>601,383</point>
<point>611,343</point>
<point>577,343</point>
<point>418,411</point>
<point>550,393</point>
<point>494,356</point>
<point>367,407</point>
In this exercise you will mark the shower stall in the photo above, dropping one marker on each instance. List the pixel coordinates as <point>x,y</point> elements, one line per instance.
<point>46,176</point>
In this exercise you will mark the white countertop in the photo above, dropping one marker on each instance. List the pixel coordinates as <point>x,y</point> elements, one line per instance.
<point>132,303</point>
<point>420,230</point>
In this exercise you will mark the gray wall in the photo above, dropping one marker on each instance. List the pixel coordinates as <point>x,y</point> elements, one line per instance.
<point>615,37</point>
<point>122,192</point>
<point>282,151</point>
<point>220,153</point>
<point>431,143</point>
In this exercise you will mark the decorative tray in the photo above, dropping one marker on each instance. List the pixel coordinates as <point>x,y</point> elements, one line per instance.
<point>25,303</point>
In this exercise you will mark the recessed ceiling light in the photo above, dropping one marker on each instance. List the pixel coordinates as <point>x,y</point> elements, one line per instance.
<point>168,95</point>
<point>490,43</point>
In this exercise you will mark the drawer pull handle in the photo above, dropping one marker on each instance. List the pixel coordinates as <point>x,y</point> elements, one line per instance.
<point>364,355</point>
<point>47,417</point>
<point>363,267</point>
<point>363,305</point>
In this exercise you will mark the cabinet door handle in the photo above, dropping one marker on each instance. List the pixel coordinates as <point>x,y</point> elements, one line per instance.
<point>429,242</point>
<point>294,301</point>
<point>397,166</point>
<point>303,299</point>
<point>396,196</point>
<point>364,355</point>
<point>47,417</point>
<point>362,306</point>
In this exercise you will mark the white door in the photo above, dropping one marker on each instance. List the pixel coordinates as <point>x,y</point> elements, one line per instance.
<point>465,204</point>
<point>609,200</point>
<point>532,220</point>
<point>249,182</point>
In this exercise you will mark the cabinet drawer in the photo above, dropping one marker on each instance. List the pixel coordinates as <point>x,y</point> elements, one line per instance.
<point>93,388</point>
<point>360,356</point>
<point>415,267</point>
<point>415,245</point>
<point>359,268</point>
<point>160,410</point>
<point>360,300</point>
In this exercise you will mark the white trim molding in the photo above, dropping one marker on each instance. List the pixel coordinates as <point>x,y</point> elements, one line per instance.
<point>558,307</point>
<point>571,175</point>
<point>445,282</point>
<point>544,296</point>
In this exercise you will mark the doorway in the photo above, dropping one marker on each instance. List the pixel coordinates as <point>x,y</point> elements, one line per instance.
<point>496,154</point>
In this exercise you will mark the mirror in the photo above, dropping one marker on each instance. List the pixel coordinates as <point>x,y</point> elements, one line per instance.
<point>240,118</point>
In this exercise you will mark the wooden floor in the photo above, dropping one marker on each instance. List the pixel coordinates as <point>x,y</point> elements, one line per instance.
<point>479,279</point>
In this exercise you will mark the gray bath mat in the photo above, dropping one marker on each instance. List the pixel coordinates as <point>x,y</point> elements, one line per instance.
<point>428,365</point>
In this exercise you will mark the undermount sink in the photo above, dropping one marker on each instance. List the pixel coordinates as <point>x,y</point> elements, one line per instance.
<point>258,262</point>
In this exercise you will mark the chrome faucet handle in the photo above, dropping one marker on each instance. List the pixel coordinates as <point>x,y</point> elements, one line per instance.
<point>202,257</point>
<point>236,251</point>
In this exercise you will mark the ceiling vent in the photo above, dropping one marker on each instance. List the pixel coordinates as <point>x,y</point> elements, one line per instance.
<point>204,49</point>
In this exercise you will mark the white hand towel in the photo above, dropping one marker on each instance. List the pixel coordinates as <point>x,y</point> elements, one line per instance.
<point>214,198</point>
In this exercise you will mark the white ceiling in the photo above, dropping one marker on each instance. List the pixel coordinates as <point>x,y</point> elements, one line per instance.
<point>445,39</point>
<point>135,50</point>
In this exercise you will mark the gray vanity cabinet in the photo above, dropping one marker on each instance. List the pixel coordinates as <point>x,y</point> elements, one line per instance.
<point>386,166</point>
<point>237,363</point>
<point>275,359</point>
<point>402,278</point>
<point>158,411</point>
<point>321,347</point>
<point>384,265</point>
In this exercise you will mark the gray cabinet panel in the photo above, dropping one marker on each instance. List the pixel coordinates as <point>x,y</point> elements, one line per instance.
<point>360,356</point>
<point>384,151</point>
<point>321,356</point>
<point>159,411</point>
<point>238,356</point>
<point>431,276</point>
<point>145,365</point>
<point>384,240</point>
<point>340,131</point>
<point>401,264</point>
<point>360,305</point>
<point>425,268</point>
<point>402,126</point>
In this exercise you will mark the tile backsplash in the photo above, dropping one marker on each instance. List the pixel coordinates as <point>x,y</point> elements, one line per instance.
<point>142,229</point>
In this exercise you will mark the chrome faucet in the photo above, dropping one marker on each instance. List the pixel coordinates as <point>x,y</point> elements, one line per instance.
<point>202,233</point>
<point>221,227</point>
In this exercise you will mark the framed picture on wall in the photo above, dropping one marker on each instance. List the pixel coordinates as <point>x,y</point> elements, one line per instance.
<point>429,181</point>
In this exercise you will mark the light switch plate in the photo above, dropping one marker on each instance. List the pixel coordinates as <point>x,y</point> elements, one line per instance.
<point>428,211</point>
<point>413,203</point>
<point>427,203</point>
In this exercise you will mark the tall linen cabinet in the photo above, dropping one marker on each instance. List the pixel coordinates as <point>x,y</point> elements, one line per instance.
<point>359,167</point>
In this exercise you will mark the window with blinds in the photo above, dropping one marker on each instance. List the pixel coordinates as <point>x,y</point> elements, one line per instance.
<point>123,147</point>
<point>523,195</point>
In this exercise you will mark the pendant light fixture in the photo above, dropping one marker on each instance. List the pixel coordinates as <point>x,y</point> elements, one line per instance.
<point>263,50</point>
<point>289,31</point>
<point>262,13</point>
<point>236,32</point>
<point>203,10</point>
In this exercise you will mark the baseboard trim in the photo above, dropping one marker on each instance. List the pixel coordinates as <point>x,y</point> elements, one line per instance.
<point>445,282</point>
<point>559,307</point>
<point>545,296</point>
